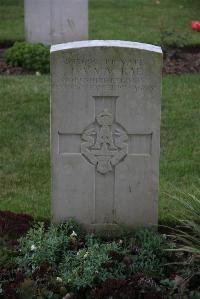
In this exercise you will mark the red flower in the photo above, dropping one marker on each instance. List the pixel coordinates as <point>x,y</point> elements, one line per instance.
<point>196,25</point>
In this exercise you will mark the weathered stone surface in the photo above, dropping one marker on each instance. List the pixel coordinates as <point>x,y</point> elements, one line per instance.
<point>56,21</point>
<point>105,131</point>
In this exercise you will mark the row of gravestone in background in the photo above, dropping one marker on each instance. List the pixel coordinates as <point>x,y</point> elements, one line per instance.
<point>105,119</point>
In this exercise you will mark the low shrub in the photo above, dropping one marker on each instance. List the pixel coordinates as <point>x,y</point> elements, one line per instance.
<point>59,261</point>
<point>33,57</point>
<point>172,39</point>
<point>172,42</point>
<point>43,246</point>
<point>90,266</point>
<point>84,261</point>
<point>151,255</point>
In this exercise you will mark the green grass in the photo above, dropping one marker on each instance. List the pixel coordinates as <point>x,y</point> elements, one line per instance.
<point>138,20</point>
<point>180,143</point>
<point>11,20</point>
<point>24,135</point>
<point>24,145</point>
<point>142,20</point>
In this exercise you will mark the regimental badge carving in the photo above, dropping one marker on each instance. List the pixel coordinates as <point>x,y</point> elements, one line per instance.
<point>104,142</point>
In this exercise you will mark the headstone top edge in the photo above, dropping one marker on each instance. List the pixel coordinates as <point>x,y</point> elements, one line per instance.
<point>105,43</point>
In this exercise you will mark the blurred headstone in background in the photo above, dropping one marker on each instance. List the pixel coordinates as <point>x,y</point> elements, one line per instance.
<point>56,21</point>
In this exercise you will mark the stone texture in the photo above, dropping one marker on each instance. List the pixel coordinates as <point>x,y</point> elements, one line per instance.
<point>56,21</point>
<point>105,132</point>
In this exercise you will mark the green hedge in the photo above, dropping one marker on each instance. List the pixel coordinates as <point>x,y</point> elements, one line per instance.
<point>33,57</point>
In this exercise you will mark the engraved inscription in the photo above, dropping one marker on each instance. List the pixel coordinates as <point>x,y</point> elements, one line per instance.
<point>105,82</point>
<point>105,66</point>
<point>104,143</point>
<point>114,73</point>
<point>95,81</point>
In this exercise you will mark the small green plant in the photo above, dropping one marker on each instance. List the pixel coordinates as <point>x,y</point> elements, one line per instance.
<point>42,246</point>
<point>172,41</point>
<point>187,236</point>
<point>33,57</point>
<point>90,265</point>
<point>151,256</point>
<point>27,289</point>
<point>83,261</point>
<point>188,231</point>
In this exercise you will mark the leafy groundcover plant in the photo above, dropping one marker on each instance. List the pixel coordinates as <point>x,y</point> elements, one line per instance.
<point>33,57</point>
<point>61,261</point>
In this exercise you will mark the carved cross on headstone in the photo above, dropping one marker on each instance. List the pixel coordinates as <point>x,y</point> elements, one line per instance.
<point>104,144</point>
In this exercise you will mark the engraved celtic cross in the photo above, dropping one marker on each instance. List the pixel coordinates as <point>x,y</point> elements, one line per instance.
<point>104,143</point>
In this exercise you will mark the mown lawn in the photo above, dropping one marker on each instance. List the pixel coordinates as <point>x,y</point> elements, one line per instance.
<point>143,20</point>
<point>138,20</point>
<point>24,146</point>
<point>11,20</point>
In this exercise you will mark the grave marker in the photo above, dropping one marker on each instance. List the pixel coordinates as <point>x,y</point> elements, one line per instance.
<point>105,132</point>
<point>56,21</point>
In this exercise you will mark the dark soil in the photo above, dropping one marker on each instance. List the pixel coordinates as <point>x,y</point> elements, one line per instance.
<point>182,61</point>
<point>127,288</point>
<point>14,224</point>
<point>176,61</point>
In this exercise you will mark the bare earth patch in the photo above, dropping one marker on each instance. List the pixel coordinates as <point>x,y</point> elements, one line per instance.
<point>186,60</point>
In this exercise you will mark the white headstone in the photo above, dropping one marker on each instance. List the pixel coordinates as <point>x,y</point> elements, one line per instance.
<point>105,132</point>
<point>56,21</point>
